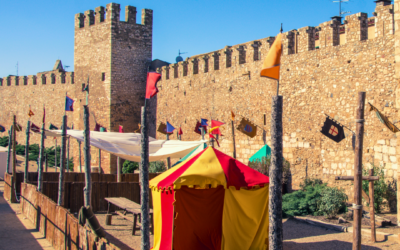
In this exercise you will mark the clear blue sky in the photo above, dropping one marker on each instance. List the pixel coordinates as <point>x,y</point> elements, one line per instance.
<point>37,33</point>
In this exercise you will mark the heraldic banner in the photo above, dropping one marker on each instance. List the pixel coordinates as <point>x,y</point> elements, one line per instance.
<point>247,128</point>
<point>333,130</point>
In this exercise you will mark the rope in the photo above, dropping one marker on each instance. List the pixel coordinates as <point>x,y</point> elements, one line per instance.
<point>355,206</point>
<point>359,120</point>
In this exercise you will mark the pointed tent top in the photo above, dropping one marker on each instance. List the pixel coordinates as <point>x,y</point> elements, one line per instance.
<point>58,65</point>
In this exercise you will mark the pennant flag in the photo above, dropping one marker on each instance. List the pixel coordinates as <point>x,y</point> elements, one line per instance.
<point>211,136</point>
<point>170,128</point>
<point>121,129</point>
<point>197,128</point>
<point>247,128</point>
<point>52,127</point>
<point>30,113</point>
<point>35,128</point>
<point>384,119</point>
<point>204,122</point>
<point>2,129</point>
<point>180,131</point>
<point>333,130</point>
<point>272,62</point>
<point>44,114</point>
<point>162,128</point>
<point>232,116</point>
<point>103,129</point>
<point>138,130</point>
<point>151,85</point>
<point>69,104</point>
<point>215,127</point>
<point>97,127</point>
<point>18,127</point>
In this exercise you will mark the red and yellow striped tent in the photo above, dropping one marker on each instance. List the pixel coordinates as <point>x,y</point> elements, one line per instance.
<point>213,202</point>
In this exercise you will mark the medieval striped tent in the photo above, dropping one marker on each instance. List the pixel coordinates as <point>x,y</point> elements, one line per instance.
<point>210,201</point>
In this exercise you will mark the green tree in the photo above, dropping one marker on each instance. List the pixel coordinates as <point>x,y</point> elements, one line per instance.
<point>157,167</point>
<point>129,167</point>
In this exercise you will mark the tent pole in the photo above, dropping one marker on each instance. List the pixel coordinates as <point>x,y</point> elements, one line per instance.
<point>27,152</point>
<point>168,159</point>
<point>233,140</point>
<point>86,147</point>
<point>41,157</point>
<point>61,178</point>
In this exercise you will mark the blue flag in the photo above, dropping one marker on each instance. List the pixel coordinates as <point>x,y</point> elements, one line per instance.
<point>69,104</point>
<point>204,122</point>
<point>2,129</point>
<point>170,128</point>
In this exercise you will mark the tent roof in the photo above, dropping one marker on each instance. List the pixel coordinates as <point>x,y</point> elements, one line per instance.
<point>263,152</point>
<point>210,167</point>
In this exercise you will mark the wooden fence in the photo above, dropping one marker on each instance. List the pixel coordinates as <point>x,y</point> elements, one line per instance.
<point>59,226</point>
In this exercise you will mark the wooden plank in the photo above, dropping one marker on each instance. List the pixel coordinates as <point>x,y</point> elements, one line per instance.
<point>103,192</point>
<point>51,207</point>
<point>124,216</point>
<point>82,237</point>
<point>351,178</point>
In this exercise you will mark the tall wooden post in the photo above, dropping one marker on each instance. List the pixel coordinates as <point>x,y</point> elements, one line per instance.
<point>14,162</point>
<point>41,158</point>
<point>357,206</point>
<point>68,155</point>
<point>55,157</point>
<point>61,191</point>
<point>80,156</point>
<point>202,135</point>
<point>100,170</point>
<point>86,148</point>
<point>168,159</point>
<point>10,140</point>
<point>46,160</point>
<point>233,139</point>
<point>144,180</point>
<point>119,177</point>
<point>26,171</point>
<point>275,177</point>
<point>371,207</point>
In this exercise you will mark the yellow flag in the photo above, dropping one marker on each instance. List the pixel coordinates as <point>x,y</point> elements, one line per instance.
<point>233,116</point>
<point>30,113</point>
<point>384,119</point>
<point>272,62</point>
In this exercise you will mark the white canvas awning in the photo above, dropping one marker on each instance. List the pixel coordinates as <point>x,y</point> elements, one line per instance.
<point>127,145</point>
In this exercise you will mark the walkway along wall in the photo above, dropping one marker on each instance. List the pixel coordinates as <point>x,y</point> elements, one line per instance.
<point>322,69</point>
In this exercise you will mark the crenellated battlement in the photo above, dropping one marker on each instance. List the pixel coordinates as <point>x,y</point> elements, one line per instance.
<point>110,14</point>
<point>42,78</point>
<point>355,28</point>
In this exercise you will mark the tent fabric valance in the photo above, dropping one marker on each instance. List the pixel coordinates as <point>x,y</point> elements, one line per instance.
<point>128,145</point>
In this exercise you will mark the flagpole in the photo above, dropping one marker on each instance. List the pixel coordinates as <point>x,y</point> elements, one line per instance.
<point>27,151</point>
<point>61,191</point>
<point>55,157</point>
<point>10,136</point>
<point>14,160</point>
<point>144,180</point>
<point>40,167</point>
<point>168,159</point>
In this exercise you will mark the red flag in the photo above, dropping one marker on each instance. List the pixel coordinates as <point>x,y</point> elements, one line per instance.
<point>211,136</point>
<point>97,127</point>
<point>121,129</point>
<point>197,128</point>
<point>35,128</point>
<point>215,127</point>
<point>151,85</point>
<point>180,131</point>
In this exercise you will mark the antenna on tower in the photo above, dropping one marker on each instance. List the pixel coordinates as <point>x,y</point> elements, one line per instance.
<point>179,58</point>
<point>17,68</point>
<point>341,12</point>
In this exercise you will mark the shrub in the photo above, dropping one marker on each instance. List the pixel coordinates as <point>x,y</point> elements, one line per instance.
<point>4,141</point>
<point>129,167</point>
<point>157,167</point>
<point>302,202</point>
<point>310,182</point>
<point>332,200</point>
<point>381,188</point>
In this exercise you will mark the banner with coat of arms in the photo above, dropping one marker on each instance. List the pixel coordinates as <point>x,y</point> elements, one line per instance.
<point>333,130</point>
<point>247,128</point>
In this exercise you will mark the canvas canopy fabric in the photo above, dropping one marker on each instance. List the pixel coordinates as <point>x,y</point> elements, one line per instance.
<point>210,201</point>
<point>263,152</point>
<point>127,145</point>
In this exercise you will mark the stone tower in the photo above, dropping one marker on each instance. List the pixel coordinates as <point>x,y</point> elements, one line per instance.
<point>114,55</point>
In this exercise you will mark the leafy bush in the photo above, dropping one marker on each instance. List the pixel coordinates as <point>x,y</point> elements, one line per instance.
<point>314,198</point>
<point>157,167</point>
<point>264,164</point>
<point>302,202</point>
<point>129,167</point>
<point>381,188</point>
<point>4,141</point>
<point>331,202</point>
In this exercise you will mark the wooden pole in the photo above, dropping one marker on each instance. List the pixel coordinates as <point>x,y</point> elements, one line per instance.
<point>55,157</point>
<point>371,207</point>
<point>233,139</point>
<point>61,191</point>
<point>10,140</point>
<point>41,158</point>
<point>168,159</point>
<point>357,206</point>
<point>46,162</point>
<point>80,156</point>
<point>100,161</point>
<point>275,177</point>
<point>68,156</point>
<point>14,162</point>
<point>86,148</point>
<point>144,180</point>
<point>202,135</point>
<point>119,177</point>
<point>26,171</point>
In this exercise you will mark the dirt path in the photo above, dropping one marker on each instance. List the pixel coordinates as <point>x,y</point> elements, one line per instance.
<point>301,236</point>
<point>17,232</point>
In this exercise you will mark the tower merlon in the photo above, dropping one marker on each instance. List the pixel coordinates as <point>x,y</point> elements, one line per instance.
<point>147,17</point>
<point>99,14</point>
<point>113,12</point>
<point>130,14</point>
<point>89,18</point>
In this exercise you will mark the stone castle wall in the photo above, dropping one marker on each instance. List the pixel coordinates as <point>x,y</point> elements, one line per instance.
<point>314,82</point>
